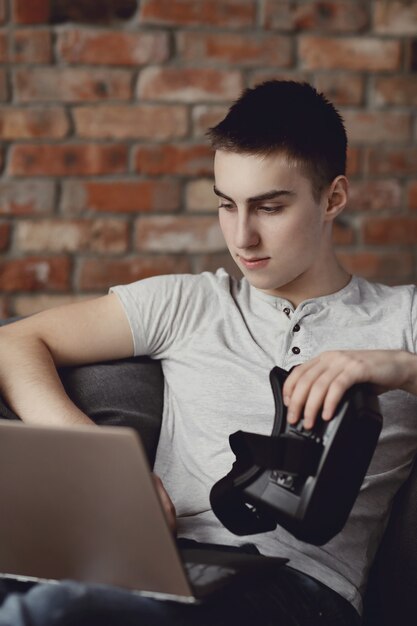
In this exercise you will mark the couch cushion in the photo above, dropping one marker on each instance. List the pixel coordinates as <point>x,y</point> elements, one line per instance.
<point>128,392</point>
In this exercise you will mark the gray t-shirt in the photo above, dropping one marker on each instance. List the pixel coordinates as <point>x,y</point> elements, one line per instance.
<point>218,338</point>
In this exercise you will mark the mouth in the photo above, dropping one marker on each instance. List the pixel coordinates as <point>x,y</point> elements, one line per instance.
<point>255,263</point>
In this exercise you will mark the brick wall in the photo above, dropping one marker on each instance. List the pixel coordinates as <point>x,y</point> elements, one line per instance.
<point>105,173</point>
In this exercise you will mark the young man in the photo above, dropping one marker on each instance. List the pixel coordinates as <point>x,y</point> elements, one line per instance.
<point>280,178</point>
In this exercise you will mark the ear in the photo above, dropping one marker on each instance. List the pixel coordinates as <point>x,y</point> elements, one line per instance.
<point>336,197</point>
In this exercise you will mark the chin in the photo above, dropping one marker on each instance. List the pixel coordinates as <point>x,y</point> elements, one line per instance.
<point>270,284</point>
<point>262,282</point>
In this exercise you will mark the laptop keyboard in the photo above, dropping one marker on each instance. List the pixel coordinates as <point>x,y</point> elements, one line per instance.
<point>204,574</point>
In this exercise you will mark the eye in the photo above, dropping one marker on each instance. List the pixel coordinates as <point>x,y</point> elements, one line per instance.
<point>270,209</point>
<point>227,206</point>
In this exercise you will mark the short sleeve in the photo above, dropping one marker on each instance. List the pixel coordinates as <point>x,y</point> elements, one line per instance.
<point>164,311</point>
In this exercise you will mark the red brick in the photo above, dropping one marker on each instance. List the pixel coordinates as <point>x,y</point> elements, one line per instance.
<point>98,47</point>
<point>27,197</point>
<point>58,235</point>
<point>178,234</point>
<point>31,12</point>
<point>187,160</point>
<point>189,84</point>
<point>222,13</point>
<point>100,274</point>
<point>343,234</point>
<point>390,230</point>
<point>2,11</point>
<point>24,123</point>
<point>350,53</point>
<point>353,164</point>
<point>340,16</point>
<point>392,161</point>
<point>376,126</point>
<point>42,84</point>
<point>410,54</point>
<point>401,90</point>
<point>128,196</point>
<point>35,274</point>
<point>67,160</point>
<point>387,267</point>
<point>101,12</point>
<point>395,17</point>
<point>211,262</point>
<point>144,121</point>
<point>205,116</point>
<point>375,195</point>
<point>4,56</point>
<point>238,49</point>
<point>412,195</point>
<point>255,77</point>
<point>5,230</point>
<point>5,308</point>
<point>4,90</point>
<point>340,88</point>
<point>200,197</point>
<point>31,46</point>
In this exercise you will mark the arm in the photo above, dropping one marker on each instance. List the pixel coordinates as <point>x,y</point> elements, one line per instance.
<point>32,348</point>
<point>322,381</point>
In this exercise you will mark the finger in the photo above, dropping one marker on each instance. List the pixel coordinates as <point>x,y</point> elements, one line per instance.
<point>350,375</point>
<point>307,370</point>
<point>314,380</point>
<point>302,390</point>
<point>328,390</point>
<point>292,380</point>
<point>301,393</point>
<point>316,398</point>
<point>166,502</point>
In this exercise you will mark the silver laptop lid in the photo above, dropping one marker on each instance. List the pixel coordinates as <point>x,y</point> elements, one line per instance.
<point>79,502</point>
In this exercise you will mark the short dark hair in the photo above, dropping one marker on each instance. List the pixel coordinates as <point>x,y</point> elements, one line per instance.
<point>288,117</point>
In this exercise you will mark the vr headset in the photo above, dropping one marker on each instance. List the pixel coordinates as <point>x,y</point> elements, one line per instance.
<point>304,480</point>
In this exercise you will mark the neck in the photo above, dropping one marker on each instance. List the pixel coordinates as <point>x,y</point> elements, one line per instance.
<point>325,277</point>
<point>325,285</point>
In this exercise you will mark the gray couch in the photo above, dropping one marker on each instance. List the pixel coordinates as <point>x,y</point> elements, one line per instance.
<point>130,393</point>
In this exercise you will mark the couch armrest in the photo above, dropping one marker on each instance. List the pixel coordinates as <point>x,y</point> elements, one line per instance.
<point>391,596</point>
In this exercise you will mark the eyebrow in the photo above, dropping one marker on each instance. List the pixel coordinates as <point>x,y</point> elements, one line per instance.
<point>269,195</point>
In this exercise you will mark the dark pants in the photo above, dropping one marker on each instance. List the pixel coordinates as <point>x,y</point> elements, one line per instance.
<point>288,598</point>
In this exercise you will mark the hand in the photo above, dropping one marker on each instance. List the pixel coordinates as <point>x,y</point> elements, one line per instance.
<point>167,503</point>
<point>322,381</point>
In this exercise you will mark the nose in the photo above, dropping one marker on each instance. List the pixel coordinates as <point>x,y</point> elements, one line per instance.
<point>246,235</point>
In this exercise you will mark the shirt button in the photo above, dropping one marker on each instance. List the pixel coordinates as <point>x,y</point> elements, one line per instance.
<point>296,328</point>
<point>296,350</point>
<point>287,311</point>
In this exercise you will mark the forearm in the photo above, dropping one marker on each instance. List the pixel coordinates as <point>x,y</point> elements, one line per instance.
<point>337,370</point>
<point>30,384</point>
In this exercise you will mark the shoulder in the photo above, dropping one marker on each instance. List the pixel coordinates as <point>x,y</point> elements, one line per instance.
<point>180,286</point>
<point>381,293</point>
<point>393,307</point>
<point>219,280</point>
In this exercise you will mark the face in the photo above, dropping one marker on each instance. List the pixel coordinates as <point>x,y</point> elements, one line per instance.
<point>275,230</point>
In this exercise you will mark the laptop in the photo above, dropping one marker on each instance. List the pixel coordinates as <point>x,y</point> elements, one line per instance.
<point>80,503</point>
